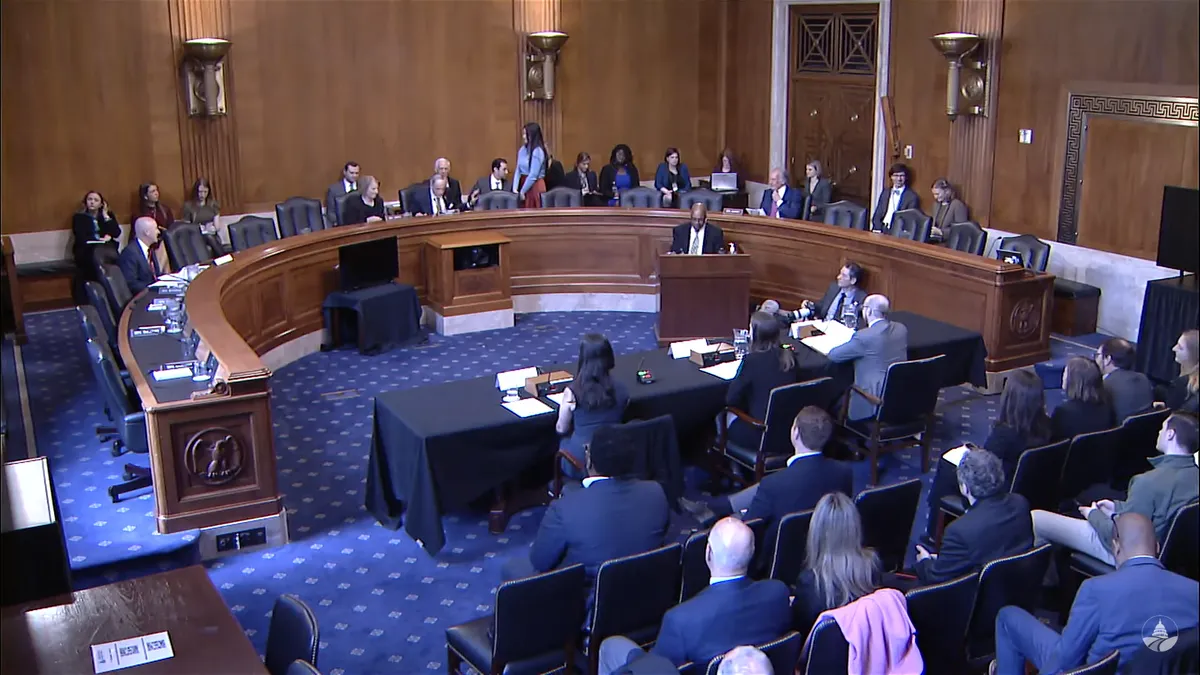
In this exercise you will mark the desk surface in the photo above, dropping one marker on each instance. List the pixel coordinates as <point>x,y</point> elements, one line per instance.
<point>152,351</point>
<point>57,639</point>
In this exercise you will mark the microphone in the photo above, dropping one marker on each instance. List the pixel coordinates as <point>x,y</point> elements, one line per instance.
<point>644,376</point>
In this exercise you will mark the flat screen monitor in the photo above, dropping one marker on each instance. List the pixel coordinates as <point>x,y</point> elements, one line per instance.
<point>726,182</point>
<point>369,263</point>
<point>1179,229</point>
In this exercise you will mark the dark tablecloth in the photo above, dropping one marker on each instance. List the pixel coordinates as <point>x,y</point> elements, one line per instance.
<point>438,448</point>
<point>1168,309</point>
<point>373,317</point>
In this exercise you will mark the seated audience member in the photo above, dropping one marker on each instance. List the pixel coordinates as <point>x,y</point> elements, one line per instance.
<point>347,184</point>
<point>872,349</point>
<point>201,207</point>
<point>1086,408</point>
<point>781,200</point>
<point>364,204</point>
<point>1021,425</point>
<point>92,226</point>
<point>898,198</point>
<point>947,209</point>
<point>727,163</point>
<point>1130,391</point>
<point>532,158</point>
<point>145,258</point>
<point>1182,394</point>
<point>1157,494</point>
<point>733,610</point>
<point>149,206</point>
<point>592,400</point>
<point>431,202</point>
<point>817,189</point>
<point>582,178</point>
<point>494,181</point>
<point>767,366</point>
<point>837,568</point>
<point>746,660</point>
<point>996,523</point>
<point>697,236</point>
<point>672,179</point>
<point>1111,611</point>
<point>619,174</point>
<point>843,293</point>
<point>454,195</point>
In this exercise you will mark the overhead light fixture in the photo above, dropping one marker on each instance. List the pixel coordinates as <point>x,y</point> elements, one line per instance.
<point>966,82</point>
<point>204,76</point>
<point>539,63</point>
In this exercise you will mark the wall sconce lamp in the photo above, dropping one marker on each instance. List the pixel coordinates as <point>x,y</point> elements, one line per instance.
<point>539,63</point>
<point>966,84</point>
<point>204,76</point>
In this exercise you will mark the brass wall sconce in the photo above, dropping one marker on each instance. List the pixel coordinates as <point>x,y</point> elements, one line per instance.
<point>204,76</point>
<point>967,81</point>
<point>539,64</point>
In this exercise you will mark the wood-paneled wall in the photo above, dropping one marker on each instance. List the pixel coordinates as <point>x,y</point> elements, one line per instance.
<point>748,97</point>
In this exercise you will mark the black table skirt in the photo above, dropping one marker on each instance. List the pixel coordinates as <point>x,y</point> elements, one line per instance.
<point>1168,309</point>
<point>373,317</point>
<point>439,448</point>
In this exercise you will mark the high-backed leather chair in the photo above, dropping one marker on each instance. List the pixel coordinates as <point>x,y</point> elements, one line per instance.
<point>299,215</point>
<point>115,287</point>
<point>846,214</point>
<point>339,209</point>
<point>293,634</point>
<point>104,255</point>
<point>710,199</point>
<point>98,300</point>
<point>641,198</point>
<point>910,224</point>
<point>408,194</point>
<point>125,410</point>
<point>497,200</point>
<point>561,197</point>
<point>967,237</point>
<point>1035,251</point>
<point>187,245</point>
<point>251,231</point>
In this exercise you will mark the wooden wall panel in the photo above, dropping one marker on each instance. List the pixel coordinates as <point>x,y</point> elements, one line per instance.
<point>531,16</point>
<point>973,137</point>
<point>748,97</point>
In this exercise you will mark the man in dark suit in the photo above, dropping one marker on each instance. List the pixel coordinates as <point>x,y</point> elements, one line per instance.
<point>781,200</point>
<point>872,350</point>
<point>145,258</point>
<point>697,236</point>
<point>898,198</point>
<point>732,611</point>
<point>843,292</point>
<point>1138,606</point>
<point>348,184</point>
<point>431,202</point>
<point>454,195</point>
<point>996,523</point>
<point>496,180</point>
<point>1130,391</point>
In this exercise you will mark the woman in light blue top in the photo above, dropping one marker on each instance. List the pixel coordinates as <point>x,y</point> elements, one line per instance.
<point>531,166</point>
<point>672,178</point>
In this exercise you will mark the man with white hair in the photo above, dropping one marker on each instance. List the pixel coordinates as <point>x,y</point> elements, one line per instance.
<point>745,661</point>
<point>872,350</point>
<point>145,258</point>
<point>432,202</point>
<point>733,610</point>
<point>454,196</point>
<point>781,200</point>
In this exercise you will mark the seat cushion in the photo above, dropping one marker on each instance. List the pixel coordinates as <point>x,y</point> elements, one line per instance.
<point>1089,566</point>
<point>748,456</point>
<point>470,640</point>
<point>1065,288</point>
<point>889,432</point>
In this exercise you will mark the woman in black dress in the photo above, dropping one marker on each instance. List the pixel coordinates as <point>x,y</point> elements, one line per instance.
<point>582,178</point>
<point>92,226</point>
<point>1182,394</point>
<point>364,204</point>
<point>1087,407</point>
<point>767,366</point>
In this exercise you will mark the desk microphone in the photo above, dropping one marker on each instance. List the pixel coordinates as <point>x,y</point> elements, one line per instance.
<point>644,376</point>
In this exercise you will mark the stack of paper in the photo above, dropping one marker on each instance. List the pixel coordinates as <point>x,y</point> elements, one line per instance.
<point>514,379</point>
<point>725,371</point>
<point>835,335</point>
<point>527,407</point>
<point>171,374</point>
<point>955,455</point>
<point>682,350</point>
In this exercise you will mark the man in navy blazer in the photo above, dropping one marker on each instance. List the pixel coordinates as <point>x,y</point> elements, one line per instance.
<point>898,198</point>
<point>1134,608</point>
<point>782,200</point>
<point>434,201</point>
<point>732,611</point>
<point>135,259</point>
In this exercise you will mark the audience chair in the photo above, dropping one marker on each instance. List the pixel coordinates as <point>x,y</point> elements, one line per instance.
<point>126,413</point>
<point>292,635</point>
<point>536,624</point>
<point>791,540</point>
<point>825,650</point>
<point>641,198</point>
<point>910,224</point>
<point>299,667</point>
<point>1035,251</point>
<point>561,197</point>
<point>940,613</point>
<point>1014,580</point>
<point>657,452</point>
<point>783,654</point>
<point>967,237</point>
<point>299,215</point>
<point>712,200</point>
<point>1139,441</point>
<point>115,287</point>
<point>498,200</point>
<point>631,596</point>
<point>187,245</point>
<point>846,214</point>
<point>694,568</point>
<point>251,231</point>
<point>775,447</point>
<point>888,514</point>
<point>903,414</point>
<point>1091,460</point>
<point>1184,657</point>
<point>1179,552</point>
<point>1105,666</point>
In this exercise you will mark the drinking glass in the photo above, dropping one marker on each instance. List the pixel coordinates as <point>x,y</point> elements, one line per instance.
<point>741,342</point>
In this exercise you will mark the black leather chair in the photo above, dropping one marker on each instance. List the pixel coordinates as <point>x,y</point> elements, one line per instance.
<point>788,549</point>
<point>940,613</point>
<point>407,196</point>
<point>641,198</point>
<point>187,245</point>
<point>98,301</point>
<point>1139,440</point>
<point>1181,659</point>
<point>632,594</point>
<point>910,224</point>
<point>104,255</point>
<point>783,654</point>
<point>711,200</point>
<point>115,287</point>
<point>498,200</point>
<point>1105,666</point>
<point>1091,460</point>
<point>1014,580</point>
<point>694,568</point>
<point>339,209</point>
<point>775,447</point>
<point>1035,251</point>
<point>561,197</point>
<point>656,448</point>
<point>846,214</point>
<point>1179,550</point>
<point>299,667</point>
<point>251,231</point>
<point>536,627</point>
<point>904,411</point>
<point>967,237</point>
<point>299,215</point>
<point>826,650</point>
<point>292,635</point>
<point>887,516</point>
<point>125,411</point>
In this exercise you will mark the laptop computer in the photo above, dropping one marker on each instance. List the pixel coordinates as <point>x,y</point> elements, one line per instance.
<point>724,182</point>
<point>1009,256</point>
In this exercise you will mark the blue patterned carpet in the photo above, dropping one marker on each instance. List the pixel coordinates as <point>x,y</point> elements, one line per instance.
<point>382,602</point>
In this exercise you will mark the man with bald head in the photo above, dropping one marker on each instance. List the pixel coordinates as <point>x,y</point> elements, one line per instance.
<point>697,236</point>
<point>1117,611</point>
<point>872,349</point>
<point>732,611</point>
<point>745,660</point>
<point>145,258</point>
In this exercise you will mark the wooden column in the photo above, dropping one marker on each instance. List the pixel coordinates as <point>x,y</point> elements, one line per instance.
<point>972,137</point>
<point>531,16</point>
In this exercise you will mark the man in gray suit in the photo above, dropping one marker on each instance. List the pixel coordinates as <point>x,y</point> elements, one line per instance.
<point>872,350</point>
<point>496,180</point>
<point>1130,391</point>
<point>348,184</point>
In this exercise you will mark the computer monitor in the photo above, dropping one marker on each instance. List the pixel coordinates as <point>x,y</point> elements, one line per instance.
<point>1010,256</point>
<point>369,263</point>
<point>726,182</point>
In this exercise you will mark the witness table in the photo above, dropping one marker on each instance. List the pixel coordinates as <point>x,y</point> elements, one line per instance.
<point>55,636</point>
<point>438,448</point>
<point>1170,307</point>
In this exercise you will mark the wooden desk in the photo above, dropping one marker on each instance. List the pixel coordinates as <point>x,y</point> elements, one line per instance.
<point>454,292</point>
<point>55,636</point>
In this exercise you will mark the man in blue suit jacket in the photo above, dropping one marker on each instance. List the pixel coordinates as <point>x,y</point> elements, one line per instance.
<point>1120,610</point>
<point>732,611</point>
<point>135,260</point>
<point>782,200</point>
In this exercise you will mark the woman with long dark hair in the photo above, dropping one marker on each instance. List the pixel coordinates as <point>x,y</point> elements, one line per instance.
<point>767,366</point>
<point>672,178</point>
<point>201,206</point>
<point>149,206</point>
<point>529,181</point>
<point>727,163</point>
<point>592,400</point>
<point>1087,407</point>
<point>838,569</point>
<point>619,174</point>
<point>93,226</point>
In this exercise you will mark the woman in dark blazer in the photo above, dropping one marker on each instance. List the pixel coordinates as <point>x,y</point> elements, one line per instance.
<point>1086,408</point>
<point>94,222</point>
<point>817,190</point>
<point>767,366</point>
<point>620,174</point>
<point>671,178</point>
<point>947,209</point>
<point>727,163</point>
<point>582,178</point>
<point>364,204</point>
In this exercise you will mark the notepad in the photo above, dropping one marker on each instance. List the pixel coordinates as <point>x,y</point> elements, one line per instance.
<point>725,371</point>
<point>682,350</point>
<point>955,455</point>
<point>171,374</point>
<point>110,656</point>
<point>835,335</point>
<point>514,379</point>
<point>558,398</point>
<point>223,259</point>
<point>527,407</point>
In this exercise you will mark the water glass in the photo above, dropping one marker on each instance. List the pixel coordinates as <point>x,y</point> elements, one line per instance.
<point>741,342</point>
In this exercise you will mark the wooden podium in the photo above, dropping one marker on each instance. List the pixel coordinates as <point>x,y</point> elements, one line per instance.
<point>702,295</point>
<point>467,282</point>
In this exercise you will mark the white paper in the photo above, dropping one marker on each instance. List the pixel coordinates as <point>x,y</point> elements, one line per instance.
<point>955,455</point>
<point>174,277</point>
<point>223,259</point>
<point>527,407</point>
<point>558,398</point>
<point>756,212</point>
<point>682,350</point>
<point>835,335</point>
<point>725,371</point>
<point>132,652</point>
<point>171,374</point>
<point>514,379</point>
